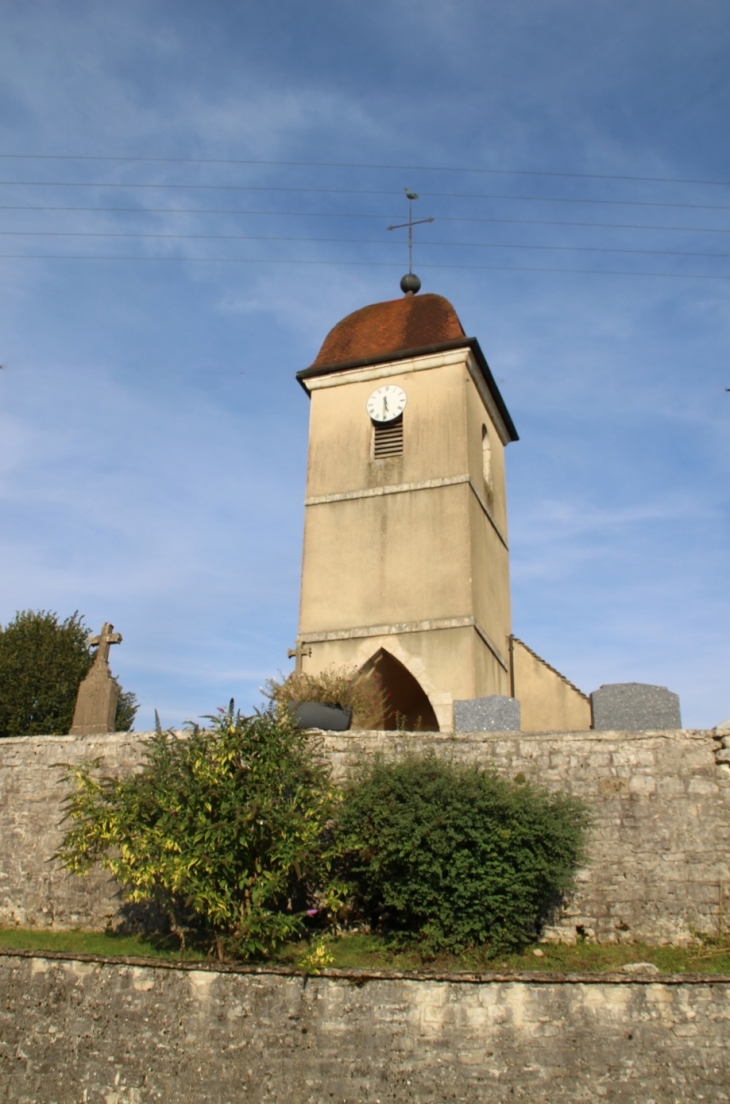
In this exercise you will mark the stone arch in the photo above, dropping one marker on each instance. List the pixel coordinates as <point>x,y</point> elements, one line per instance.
<point>406,703</point>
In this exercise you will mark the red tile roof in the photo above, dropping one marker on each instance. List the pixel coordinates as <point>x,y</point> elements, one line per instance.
<point>397,326</point>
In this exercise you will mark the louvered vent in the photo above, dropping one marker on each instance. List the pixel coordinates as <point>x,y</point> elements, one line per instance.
<point>388,439</point>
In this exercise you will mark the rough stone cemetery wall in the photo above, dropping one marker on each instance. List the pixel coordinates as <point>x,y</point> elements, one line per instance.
<point>659,855</point>
<point>124,1033</point>
<point>35,891</point>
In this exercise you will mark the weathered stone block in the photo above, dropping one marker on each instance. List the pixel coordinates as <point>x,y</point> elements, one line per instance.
<point>642,784</point>
<point>634,706</point>
<point>496,713</point>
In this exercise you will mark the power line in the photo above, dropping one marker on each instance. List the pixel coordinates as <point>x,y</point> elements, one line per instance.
<point>357,191</point>
<point>351,264</point>
<point>363,215</point>
<point>352,241</point>
<point>356,165</point>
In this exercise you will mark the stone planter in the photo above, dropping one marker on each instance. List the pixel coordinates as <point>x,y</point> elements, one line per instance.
<point>318,715</point>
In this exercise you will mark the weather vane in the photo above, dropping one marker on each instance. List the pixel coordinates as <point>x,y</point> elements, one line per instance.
<point>410,284</point>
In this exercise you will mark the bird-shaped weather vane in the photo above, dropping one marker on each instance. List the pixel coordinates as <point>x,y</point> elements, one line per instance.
<point>410,283</point>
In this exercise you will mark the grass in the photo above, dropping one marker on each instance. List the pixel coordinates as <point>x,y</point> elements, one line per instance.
<point>96,943</point>
<point>360,950</point>
<point>356,950</point>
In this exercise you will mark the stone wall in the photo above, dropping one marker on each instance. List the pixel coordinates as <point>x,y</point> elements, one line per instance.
<point>659,853</point>
<point>107,1032</point>
<point>35,891</point>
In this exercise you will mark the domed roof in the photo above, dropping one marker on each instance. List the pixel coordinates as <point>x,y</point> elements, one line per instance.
<point>396,327</point>
<point>416,325</point>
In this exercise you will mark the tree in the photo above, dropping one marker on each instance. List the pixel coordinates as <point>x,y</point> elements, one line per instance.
<point>42,663</point>
<point>127,707</point>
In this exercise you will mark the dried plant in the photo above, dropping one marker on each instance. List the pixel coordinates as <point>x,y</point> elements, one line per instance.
<point>348,689</point>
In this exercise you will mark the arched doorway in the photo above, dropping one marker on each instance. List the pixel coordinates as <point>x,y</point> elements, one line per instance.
<point>406,704</point>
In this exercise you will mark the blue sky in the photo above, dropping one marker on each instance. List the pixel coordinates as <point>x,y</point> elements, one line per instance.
<point>152,436</point>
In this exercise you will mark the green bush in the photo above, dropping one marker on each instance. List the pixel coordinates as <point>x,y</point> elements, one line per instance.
<point>224,830</point>
<point>238,835</point>
<point>42,663</point>
<point>455,856</point>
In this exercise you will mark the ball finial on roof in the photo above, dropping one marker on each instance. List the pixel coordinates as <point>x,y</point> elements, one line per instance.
<point>410,284</point>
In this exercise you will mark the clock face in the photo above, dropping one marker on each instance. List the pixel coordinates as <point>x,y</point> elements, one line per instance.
<point>387,403</point>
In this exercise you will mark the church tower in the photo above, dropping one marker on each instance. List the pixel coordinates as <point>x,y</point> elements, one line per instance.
<point>405,565</point>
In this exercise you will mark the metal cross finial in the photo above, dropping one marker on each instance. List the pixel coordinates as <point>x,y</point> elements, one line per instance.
<point>410,196</point>
<point>106,637</point>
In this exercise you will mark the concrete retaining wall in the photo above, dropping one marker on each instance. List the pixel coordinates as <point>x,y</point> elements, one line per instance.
<point>659,863</point>
<point>106,1032</point>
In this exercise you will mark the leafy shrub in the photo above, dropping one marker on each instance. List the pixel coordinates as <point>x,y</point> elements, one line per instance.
<point>224,830</point>
<point>455,855</point>
<point>42,663</point>
<point>361,695</point>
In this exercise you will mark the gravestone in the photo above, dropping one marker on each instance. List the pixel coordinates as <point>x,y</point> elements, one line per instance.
<point>96,703</point>
<point>495,713</point>
<point>634,707</point>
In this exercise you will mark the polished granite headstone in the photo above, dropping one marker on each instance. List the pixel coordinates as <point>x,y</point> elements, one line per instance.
<point>634,706</point>
<point>496,713</point>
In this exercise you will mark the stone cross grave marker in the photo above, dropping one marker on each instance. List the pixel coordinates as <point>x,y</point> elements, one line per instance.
<point>96,704</point>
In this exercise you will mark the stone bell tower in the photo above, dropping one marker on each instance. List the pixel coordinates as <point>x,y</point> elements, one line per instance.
<point>405,564</point>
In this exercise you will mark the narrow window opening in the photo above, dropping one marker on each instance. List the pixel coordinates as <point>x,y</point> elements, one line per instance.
<point>388,439</point>
<point>486,458</point>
